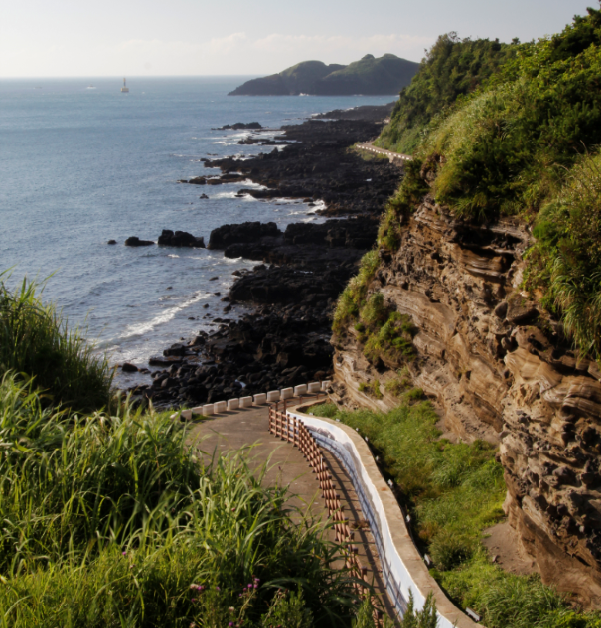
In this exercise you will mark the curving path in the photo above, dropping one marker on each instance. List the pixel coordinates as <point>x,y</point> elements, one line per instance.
<point>248,428</point>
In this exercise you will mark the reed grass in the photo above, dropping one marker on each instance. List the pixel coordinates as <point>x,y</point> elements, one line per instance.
<point>117,521</point>
<point>37,342</point>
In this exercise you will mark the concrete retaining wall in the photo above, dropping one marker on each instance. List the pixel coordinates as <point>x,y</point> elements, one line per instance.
<point>403,568</point>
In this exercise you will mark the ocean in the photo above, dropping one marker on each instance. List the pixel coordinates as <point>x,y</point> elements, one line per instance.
<point>82,163</point>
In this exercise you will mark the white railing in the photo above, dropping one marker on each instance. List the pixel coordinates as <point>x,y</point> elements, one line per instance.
<point>404,571</point>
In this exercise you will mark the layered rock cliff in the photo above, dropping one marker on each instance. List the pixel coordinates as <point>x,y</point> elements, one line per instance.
<point>498,368</point>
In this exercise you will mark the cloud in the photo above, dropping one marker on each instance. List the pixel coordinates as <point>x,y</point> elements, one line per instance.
<point>317,44</point>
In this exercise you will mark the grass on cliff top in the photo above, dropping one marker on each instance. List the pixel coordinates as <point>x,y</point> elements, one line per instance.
<point>37,342</point>
<point>526,144</point>
<point>453,492</point>
<point>453,67</point>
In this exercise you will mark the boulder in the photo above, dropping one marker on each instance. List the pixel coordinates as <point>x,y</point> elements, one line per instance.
<point>246,232</point>
<point>181,239</point>
<point>135,241</point>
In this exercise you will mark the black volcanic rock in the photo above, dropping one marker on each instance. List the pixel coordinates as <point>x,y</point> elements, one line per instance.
<point>135,241</point>
<point>181,239</point>
<point>318,165</point>
<point>240,126</point>
<point>226,235</point>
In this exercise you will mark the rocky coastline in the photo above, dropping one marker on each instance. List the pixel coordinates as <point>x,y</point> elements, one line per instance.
<point>283,339</point>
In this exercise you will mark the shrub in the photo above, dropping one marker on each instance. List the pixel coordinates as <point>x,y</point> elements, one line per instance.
<point>426,618</point>
<point>453,67</point>
<point>353,297</point>
<point>372,389</point>
<point>288,609</point>
<point>35,340</point>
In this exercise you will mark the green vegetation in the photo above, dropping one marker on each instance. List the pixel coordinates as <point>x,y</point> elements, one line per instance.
<point>115,519</point>
<point>372,389</point>
<point>36,342</point>
<point>453,67</point>
<point>524,143</point>
<point>452,493</point>
<point>386,334</point>
<point>384,75</point>
<point>397,386</point>
<point>111,519</point>
<point>354,295</point>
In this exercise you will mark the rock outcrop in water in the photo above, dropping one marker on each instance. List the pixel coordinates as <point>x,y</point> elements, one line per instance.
<point>181,239</point>
<point>500,369</point>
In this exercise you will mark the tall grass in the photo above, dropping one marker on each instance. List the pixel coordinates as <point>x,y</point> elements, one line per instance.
<point>36,340</point>
<point>116,521</point>
<point>453,493</point>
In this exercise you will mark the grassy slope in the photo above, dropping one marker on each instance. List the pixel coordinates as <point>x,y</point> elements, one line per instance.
<point>524,144</point>
<point>110,520</point>
<point>452,493</point>
<point>36,341</point>
<point>451,68</point>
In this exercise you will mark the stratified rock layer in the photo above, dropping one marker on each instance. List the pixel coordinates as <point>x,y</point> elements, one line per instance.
<point>500,369</point>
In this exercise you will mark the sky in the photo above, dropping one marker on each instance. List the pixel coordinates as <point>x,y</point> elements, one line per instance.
<point>81,38</point>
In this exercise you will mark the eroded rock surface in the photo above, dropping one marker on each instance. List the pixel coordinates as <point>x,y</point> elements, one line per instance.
<point>500,369</point>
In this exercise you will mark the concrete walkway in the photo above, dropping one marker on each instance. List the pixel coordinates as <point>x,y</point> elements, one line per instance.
<point>248,429</point>
<point>393,157</point>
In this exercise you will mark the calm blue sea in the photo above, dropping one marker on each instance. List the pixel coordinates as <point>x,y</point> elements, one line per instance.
<point>81,163</point>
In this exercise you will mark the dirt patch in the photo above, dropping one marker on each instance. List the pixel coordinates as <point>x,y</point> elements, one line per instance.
<point>503,546</point>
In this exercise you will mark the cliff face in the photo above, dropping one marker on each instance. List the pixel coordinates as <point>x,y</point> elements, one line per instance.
<point>499,369</point>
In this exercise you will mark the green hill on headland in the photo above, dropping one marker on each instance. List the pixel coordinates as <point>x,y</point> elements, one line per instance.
<point>371,76</point>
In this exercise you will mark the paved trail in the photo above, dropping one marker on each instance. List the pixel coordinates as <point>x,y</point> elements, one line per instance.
<point>393,157</point>
<point>248,428</point>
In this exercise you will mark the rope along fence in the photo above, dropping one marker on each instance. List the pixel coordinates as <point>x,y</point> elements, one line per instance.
<point>293,431</point>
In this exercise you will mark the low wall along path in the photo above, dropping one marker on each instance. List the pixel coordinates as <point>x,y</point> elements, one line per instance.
<point>345,484</point>
<point>398,158</point>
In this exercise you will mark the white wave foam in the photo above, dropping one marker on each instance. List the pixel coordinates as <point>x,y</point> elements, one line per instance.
<point>138,329</point>
<point>225,195</point>
<point>251,184</point>
<point>177,256</point>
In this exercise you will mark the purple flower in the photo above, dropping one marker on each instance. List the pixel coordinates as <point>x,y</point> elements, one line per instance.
<point>193,600</point>
<point>218,589</point>
<point>256,586</point>
<point>124,553</point>
<point>231,623</point>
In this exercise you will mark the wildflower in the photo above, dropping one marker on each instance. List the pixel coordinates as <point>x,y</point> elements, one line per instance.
<point>218,589</point>
<point>124,553</point>
<point>256,586</point>
<point>193,600</point>
<point>231,609</point>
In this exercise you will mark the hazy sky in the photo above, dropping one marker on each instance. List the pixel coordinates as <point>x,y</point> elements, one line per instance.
<point>43,38</point>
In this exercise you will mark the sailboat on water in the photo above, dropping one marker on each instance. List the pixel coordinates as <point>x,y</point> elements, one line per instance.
<point>125,88</point>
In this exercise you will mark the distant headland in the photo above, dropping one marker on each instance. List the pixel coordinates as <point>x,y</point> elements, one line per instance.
<point>370,76</point>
